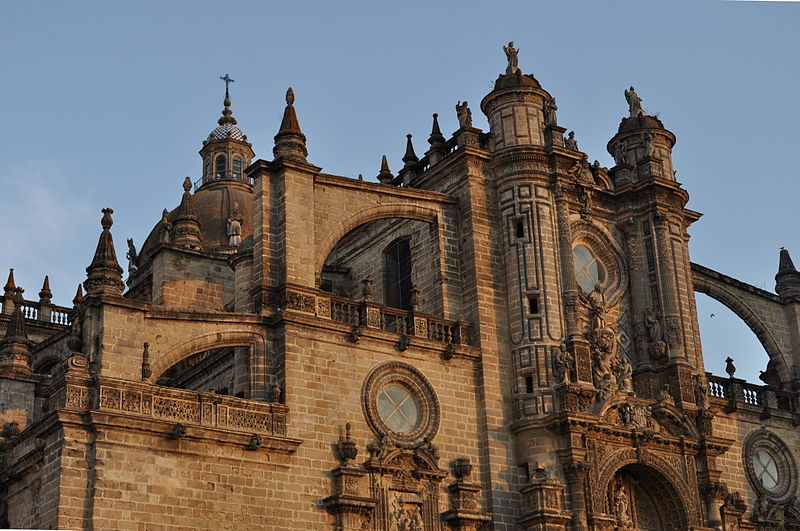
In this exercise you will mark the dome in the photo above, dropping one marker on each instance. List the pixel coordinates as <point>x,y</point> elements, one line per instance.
<point>213,205</point>
<point>226,131</point>
<point>517,79</point>
<point>645,121</point>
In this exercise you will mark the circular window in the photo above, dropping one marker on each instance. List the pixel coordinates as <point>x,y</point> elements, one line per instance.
<point>399,401</point>
<point>770,467</point>
<point>589,272</point>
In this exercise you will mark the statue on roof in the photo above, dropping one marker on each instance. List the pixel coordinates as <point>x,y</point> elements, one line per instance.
<point>164,227</point>
<point>634,103</point>
<point>511,56</point>
<point>235,227</point>
<point>463,114</point>
<point>132,257</point>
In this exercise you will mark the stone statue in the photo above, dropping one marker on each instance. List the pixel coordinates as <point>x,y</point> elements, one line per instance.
<point>511,55</point>
<point>653,325</point>
<point>700,391</point>
<point>597,309</point>
<point>550,109</point>
<point>647,143</point>
<point>562,364</point>
<point>620,154</point>
<point>164,227</point>
<point>625,375</point>
<point>621,506</point>
<point>634,103</point>
<point>235,227</point>
<point>665,396</point>
<point>570,142</point>
<point>464,115</point>
<point>133,259</point>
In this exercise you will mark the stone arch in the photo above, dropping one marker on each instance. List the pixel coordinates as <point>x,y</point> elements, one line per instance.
<point>750,318</point>
<point>679,495</point>
<point>373,213</point>
<point>235,338</point>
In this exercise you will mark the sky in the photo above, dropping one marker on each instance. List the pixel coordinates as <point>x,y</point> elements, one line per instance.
<point>105,104</point>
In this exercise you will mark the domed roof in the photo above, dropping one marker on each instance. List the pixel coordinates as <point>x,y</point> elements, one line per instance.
<point>644,121</point>
<point>226,131</point>
<point>517,79</point>
<point>213,205</point>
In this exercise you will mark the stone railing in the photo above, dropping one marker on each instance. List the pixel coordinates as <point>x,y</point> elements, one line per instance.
<point>737,391</point>
<point>39,311</point>
<point>370,315</point>
<point>174,405</point>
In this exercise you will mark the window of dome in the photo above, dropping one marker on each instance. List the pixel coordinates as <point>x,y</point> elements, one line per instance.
<point>589,272</point>
<point>398,408</point>
<point>237,169</point>
<point>207,169</point>
<point>221,167</point>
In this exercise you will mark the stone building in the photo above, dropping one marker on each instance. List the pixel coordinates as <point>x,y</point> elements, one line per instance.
<point>502,335</point>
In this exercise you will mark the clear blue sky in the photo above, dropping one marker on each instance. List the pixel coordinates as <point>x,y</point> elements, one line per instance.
<point>106,104</point>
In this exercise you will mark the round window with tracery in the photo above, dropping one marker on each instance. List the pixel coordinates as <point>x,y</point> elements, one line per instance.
<point>589,272</point>
<point>770,466</point>
<point>399,401</point>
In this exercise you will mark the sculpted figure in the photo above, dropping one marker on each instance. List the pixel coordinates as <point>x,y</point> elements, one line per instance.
<point>625,375</point>
<point>700,391</point>
<point>511,56</point>
<point>620,154</point>
<point>653,325</point>
<point>621,506</point>
<point>165,227</point>
<point>132,257</point>
<point>550,109</point>
<point>570,142</point>
<point>665,396</point>
<point>562,364</point>
<point>463,114</point>
<point>647,142</point>
<point>634,103</point>
<point>235,228</point>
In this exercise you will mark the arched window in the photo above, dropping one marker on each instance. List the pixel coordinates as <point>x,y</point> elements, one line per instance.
<point>398,274</point>
<point>207,169</point>
<point>221,167</point>
<point>589,272</point>
<point>237,169</point>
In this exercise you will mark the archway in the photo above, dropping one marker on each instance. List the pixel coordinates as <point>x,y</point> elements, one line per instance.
<point>639,497</point>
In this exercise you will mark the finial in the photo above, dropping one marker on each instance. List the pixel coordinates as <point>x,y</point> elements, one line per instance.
<point>10,286</point>
<point>410,158</point>
<point>104,273</point>
<point>385,176</point>
<point>187,184</point>
<point>45,295</point>
<point>227,79</point>
<point>729,367</point>
<point>290,142</point>
<point>436,139</point>
<point>107,221</point>
<point>78,296</point>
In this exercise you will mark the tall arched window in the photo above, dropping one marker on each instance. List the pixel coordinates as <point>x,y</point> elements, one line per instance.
<point>237,169</point>
<point>221,167</point>
<point>397,257</point>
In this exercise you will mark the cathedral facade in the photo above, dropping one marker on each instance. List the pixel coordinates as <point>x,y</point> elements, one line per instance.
<point>501,335</point>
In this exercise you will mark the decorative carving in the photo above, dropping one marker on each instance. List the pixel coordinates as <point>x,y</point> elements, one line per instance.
<point>300,301</point>
<point>659,349</point>
<point>235,227</point>
<point>577,398</point>
<point>367,289</point>
<point>323,307</point>
<point>146,371</point>
<point>178,431</point>
<point>570,142</point>
<point>255,442</point>
<point>347,447</point>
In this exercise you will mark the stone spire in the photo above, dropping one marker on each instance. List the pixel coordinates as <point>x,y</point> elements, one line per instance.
<point>437,138</point>
<point>410,158</point>
<point>385,176</point>
<point>45,295</point>
<point>9,293</point>
<point>186,227</point>
<point>290,142</point>
<point>787,281</point>
<point>78,296</point>
<point>15,348</point>
<point>104,273</point>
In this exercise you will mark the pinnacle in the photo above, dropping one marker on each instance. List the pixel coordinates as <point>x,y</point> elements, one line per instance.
<point>385,175</point>
<point>104,273</point>
<point>78,296</point>
<point>410,158</point>
<point>290,142</point>
<point>436,137</point>
<point>10,286</point>
<point>785,264</point>
<point>45,295</point>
